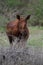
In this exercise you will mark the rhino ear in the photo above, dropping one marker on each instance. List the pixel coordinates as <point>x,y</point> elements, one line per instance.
<point>18,17</point>
<point>27,17</point>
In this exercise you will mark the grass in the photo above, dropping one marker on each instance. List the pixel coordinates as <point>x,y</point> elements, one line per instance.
<point>35,39</point>
<point>36,36</point>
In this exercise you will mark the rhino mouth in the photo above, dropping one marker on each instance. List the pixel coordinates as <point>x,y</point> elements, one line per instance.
<point>23,35</point>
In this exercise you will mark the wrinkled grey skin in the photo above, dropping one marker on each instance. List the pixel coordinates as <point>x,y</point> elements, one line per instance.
<point>26,56</point>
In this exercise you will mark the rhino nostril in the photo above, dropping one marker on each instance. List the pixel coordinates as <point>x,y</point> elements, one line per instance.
<point>24,33</point>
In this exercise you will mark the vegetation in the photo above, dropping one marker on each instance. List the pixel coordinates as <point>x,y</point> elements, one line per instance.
<point>35,38</point>
<point>9,8</point>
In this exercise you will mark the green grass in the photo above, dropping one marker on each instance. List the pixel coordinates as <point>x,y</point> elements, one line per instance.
<point>36,37</point>
<point>2,29</point>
